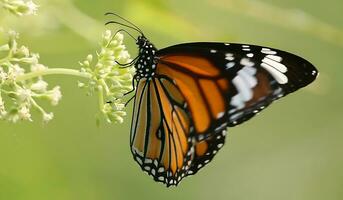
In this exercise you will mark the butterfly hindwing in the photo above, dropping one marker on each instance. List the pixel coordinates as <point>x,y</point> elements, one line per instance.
<point>205,150</point>
<point>161,131</point>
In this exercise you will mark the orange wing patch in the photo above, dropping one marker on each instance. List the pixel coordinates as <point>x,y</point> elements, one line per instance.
<point>195,64</point>
<point>155,143</point>
<point>140,123</point>
<point>213,94</point>
<point>201,148</point>
<point>203,95</point>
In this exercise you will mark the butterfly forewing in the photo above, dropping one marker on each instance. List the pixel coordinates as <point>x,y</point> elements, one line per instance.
<point>251,76</point>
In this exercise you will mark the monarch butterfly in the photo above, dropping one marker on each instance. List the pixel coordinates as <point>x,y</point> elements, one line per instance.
<point>188,94</point>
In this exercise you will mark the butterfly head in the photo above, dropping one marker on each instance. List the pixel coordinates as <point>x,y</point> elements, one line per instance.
<point>141,41</point>
<point>146,63</point>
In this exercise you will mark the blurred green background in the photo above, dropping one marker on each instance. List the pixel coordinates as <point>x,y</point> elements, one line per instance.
<point>293,150</point>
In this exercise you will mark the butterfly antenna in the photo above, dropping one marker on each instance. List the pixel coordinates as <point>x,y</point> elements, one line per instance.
<point>115,22</point>
<point>120,30</point>
<point>133,25</point>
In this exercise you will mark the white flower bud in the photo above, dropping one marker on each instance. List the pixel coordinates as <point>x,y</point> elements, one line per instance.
<point>38,67</point>
<point>3,75</point>
<point>32,8</point>
<point>55,95</point>
<point>24,94</point>
<point>90,58</point>
<point>119,106</point>
<point>33,60</point>
<point>24,113</point>
<point>80,84</point>
<point>20,7</point>
<point>39,86</point>
<point>119,37</point>
<point>47,117</point>
<point>3,112</point>
<point>14,71</point>
<point>24,51</point>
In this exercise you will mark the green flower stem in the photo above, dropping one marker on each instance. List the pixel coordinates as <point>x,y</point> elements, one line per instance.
<point>6,59</point>
<point>53,71</point>
<point>39,108</point>
<point>105,87</point>
<point>101,98</point>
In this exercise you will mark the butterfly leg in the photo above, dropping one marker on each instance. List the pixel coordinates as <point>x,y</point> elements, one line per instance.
<point>129,92</point>
<point>129,100</point>
<point>110,102</point>
<point>127,64</point>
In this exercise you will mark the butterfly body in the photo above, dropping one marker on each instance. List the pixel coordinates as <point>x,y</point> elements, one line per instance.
<point>146,63</point>
<point>189,94</point>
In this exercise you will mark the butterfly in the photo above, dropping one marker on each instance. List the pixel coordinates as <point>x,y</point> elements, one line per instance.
<point>187,95</point>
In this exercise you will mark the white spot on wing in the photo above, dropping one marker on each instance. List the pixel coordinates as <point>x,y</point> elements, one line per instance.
<point>280,67</point>
<point>229,56</point>
<point>201,137</point>
<point>230,65</point>
<point>268,51</point>
<point>251,80</point>
<point>275,58</point>
<point>250,70</point>
<point>139,160</point>
<point>160,170</point>
<point>244,82</point>
<point>243,88</point>
<point>247,62</point>
<point>220,115</point>
<point>279,76</point>
<point>148,161</point>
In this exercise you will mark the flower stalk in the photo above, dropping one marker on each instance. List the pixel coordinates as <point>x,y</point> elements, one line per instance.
<point>54,71</point>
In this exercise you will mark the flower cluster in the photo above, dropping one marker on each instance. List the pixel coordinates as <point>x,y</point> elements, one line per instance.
<point>109,79</point>
<point>22,87</point>
<point>19,7</point>
<point>17,98</point>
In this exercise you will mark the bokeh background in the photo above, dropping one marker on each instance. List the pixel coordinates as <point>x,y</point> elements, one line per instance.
<point>293,150</point>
